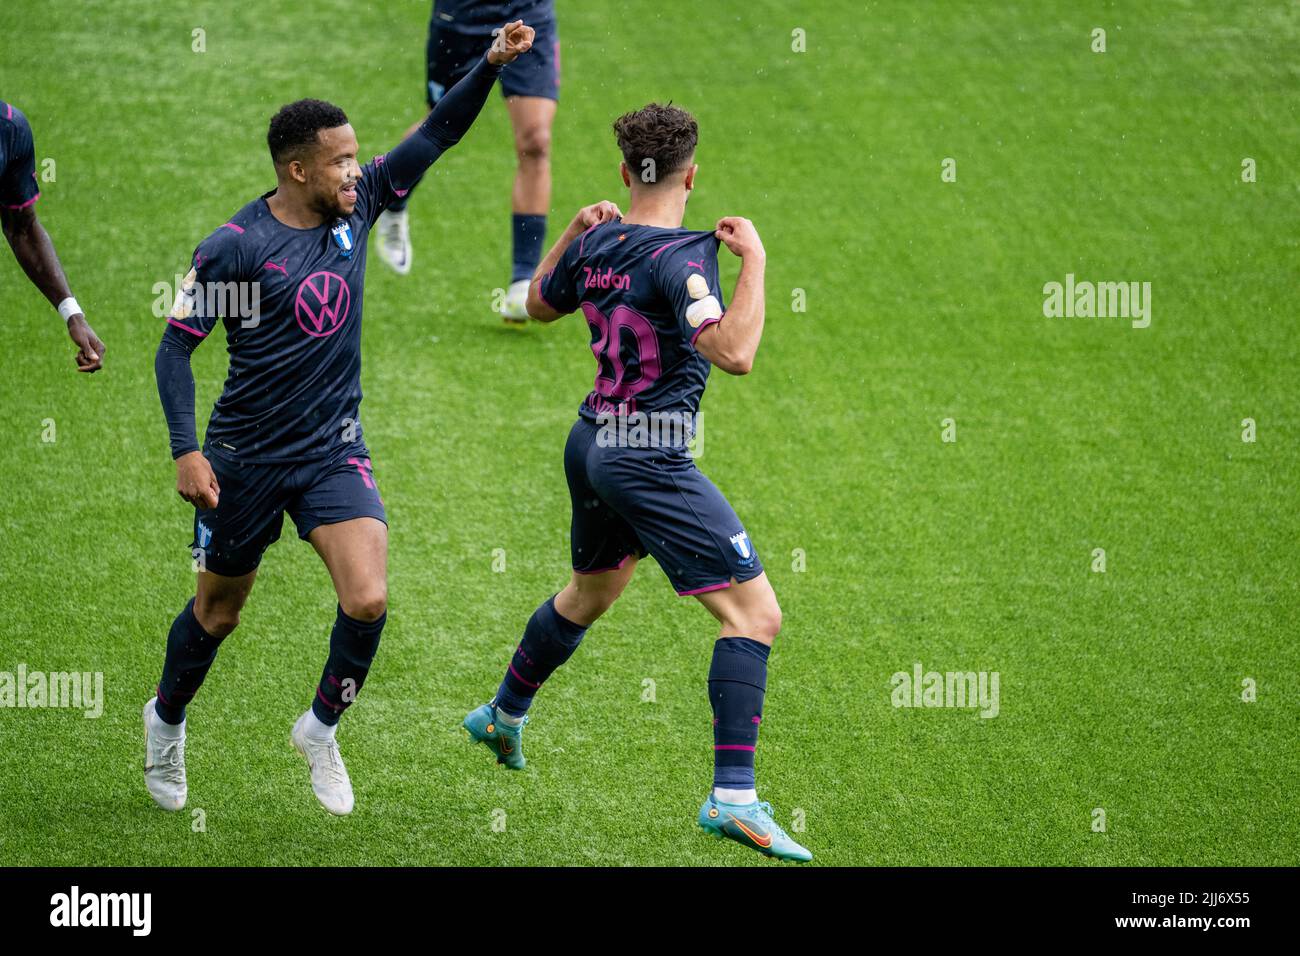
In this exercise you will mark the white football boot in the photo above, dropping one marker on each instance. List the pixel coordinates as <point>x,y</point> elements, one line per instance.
<point>514,310</point>
<point>329,778</point>
<point>394,230</point>
<point>164,759</point>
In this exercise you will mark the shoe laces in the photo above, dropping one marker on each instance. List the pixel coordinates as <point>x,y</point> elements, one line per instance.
<point>332,764</point>
<point>767,808</point>
<point>171,761</point>
<point>398,229</point>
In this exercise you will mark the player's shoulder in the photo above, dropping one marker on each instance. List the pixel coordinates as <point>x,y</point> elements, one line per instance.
<point>13,120</point>
<point>240,231</point>
<point>673,248</point>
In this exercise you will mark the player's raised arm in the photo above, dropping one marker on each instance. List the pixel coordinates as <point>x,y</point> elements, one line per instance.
<point>732,343</point>
<point>551,287</point>
<point>457,110</point>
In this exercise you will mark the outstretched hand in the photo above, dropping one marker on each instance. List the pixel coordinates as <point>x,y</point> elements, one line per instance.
<point>510,41</point>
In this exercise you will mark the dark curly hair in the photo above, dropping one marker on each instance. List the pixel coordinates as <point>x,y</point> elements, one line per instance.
<point>666,134</point>
<point>296,126</point>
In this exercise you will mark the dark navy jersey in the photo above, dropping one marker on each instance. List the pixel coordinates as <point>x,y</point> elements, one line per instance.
<point>291,302</point>
<point>475,16</point>
<point>647,293</point>
<point>18,188</point>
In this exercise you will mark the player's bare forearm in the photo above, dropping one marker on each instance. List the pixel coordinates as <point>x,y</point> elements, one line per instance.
<point>536,305</point>
<point>732,343</point>
<point>587,217</point>
<point>35,253</point>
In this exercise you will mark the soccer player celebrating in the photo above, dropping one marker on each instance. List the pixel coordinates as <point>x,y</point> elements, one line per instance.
<point>29,240</point>
<point>649,290</point>
<point>285,434</point>
<point>459,32</point>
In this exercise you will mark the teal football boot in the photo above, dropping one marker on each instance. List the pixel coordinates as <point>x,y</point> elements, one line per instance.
<point>750,825</point>
<point>502,739</point>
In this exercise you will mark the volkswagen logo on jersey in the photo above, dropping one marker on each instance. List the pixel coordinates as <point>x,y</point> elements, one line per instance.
<point>740,541</point>
<point>342,234</point>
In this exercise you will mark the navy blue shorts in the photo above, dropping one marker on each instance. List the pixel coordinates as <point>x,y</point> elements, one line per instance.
<point>450,54</point>
<point>230,538</point>
<point>652,500</point>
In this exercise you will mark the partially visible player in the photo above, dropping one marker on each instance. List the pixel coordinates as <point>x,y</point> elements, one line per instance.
<point>285,434</point>
<point>459,32</point>
<point>650,293</point>
<point>29,240</point>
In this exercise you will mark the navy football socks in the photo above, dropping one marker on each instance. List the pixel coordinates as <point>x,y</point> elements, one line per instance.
<point>528,231</point>
<point>549,640</point>
<point>737,681</point>
<point>353,645</point>
<point>190,652</point>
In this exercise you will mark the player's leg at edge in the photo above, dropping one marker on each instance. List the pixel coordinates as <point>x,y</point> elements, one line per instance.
<point>531,118</point>
<point>355,552</point>
<point>750,619</point>
<point>550,638</point>
<point>197,632</point>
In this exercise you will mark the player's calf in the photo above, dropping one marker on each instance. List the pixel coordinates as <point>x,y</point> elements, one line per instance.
<point>549,639</point>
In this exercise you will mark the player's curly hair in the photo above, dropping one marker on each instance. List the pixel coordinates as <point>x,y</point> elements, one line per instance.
<point>296,126</point>
<point>666,134</point>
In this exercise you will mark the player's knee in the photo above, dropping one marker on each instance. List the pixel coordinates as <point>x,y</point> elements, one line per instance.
<point>218,618</point>
<point>534,144</point>
<point>767,622</point>
<point>367,604</point>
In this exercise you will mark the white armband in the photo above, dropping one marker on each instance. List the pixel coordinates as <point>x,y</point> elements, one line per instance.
<point>68,308</point>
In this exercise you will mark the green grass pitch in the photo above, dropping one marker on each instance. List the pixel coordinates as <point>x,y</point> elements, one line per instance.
<point>1120,690</point>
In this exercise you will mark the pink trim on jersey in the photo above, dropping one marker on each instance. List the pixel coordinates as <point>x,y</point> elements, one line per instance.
<point>171,321</point>
<point>711,587</point>
<point>10,108</point>
<point>605,570</point>
<point>669,245</point>
<point>231,225</point>
<point>542,297</point>
<point>704,325</point>
<point>583,238</point>
<point>24,205</point>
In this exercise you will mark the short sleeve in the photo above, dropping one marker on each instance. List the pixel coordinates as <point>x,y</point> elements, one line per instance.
<point>210,282</point>
<point>687,276</point>
<point>559,287</point>
<point>18,187</point>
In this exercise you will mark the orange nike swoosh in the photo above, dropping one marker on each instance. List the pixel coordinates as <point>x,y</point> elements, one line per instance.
<point>765,841</point>
<point>505,745</point>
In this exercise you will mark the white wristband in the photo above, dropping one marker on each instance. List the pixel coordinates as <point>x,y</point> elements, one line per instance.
<point>68,308</point>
